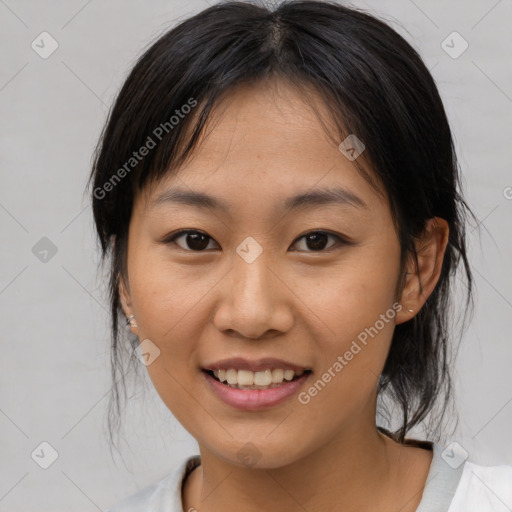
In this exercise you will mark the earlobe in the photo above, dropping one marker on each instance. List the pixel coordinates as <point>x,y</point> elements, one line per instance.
<point>423,275</point>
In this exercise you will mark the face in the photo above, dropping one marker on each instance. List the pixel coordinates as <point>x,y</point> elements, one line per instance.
<point>310,285</point>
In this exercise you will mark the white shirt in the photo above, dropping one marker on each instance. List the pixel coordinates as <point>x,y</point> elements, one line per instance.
<point>451,486</point>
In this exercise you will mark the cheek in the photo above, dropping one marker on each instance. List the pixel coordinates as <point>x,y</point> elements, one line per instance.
<point>351,294</point>
<point>167,296</point>
<point>357,309</point>
<point>351,354</point>
<point>171,314</point>
<point>170,308</point>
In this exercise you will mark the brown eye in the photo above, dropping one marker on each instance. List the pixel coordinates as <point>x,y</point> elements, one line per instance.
<point>316,241</point>
<point>197,241</point>
<point>193,240</point>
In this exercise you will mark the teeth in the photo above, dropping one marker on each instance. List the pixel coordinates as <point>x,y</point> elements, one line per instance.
<point>231,376</point>
<point>288,374</point>
<point>263,378</point>
<point>277,376</point>
<point>245,379</point>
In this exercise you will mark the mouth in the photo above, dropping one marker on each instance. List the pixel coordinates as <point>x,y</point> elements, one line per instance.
<point>255,390</point>
<point>262,379</point>
<point>254,385</point>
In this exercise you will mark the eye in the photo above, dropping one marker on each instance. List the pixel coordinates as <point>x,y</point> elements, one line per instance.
<point>197,241</point>
<point>194,240</point>
<point>317,240</point>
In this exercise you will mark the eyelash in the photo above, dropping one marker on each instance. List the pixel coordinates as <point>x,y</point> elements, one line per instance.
<point>341,241</point>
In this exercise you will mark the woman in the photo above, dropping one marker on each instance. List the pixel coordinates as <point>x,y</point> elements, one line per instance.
<point>279,196</point>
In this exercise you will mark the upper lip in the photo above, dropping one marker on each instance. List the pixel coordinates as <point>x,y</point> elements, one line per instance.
<point>239,363</point>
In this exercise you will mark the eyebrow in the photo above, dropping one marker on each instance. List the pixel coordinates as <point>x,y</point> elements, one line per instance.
<point>301,201</point>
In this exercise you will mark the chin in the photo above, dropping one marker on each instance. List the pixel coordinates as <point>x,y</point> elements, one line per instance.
<point>261,453</point>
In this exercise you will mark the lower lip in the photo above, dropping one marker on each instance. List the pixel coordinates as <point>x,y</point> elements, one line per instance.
<point>255,399</point>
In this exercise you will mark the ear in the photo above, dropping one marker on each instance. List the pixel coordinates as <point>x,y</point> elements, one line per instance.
<point>126,303</point>
<point>421,279</point>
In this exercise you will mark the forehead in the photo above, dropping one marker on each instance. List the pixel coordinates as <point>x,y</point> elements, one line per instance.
<point>265,141</point>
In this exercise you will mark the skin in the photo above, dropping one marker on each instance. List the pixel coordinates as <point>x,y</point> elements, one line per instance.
<point>292,302</point>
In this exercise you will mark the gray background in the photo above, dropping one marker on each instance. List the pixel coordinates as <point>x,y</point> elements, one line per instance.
<point>54,374</point>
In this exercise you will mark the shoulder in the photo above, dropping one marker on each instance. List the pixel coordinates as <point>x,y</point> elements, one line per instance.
<point>163,495</point>
<point>483,489</point>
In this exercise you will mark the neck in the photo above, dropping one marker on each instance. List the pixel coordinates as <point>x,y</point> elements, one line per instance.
<point>352,472</point>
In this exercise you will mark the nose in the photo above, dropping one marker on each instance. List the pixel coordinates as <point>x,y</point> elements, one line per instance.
<point>254,301</point>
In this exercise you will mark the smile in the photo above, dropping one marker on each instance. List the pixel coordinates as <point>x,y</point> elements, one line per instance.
<point>263,379</point>
<point>255,397</point>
